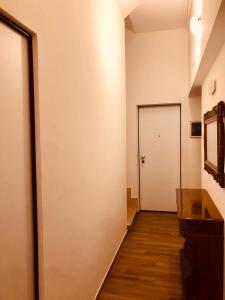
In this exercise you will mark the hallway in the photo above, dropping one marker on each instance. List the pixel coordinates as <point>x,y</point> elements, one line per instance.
<point>108,107</point>
<point>147,264</point>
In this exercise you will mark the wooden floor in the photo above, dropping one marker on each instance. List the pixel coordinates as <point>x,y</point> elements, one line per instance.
<point>147,265</point>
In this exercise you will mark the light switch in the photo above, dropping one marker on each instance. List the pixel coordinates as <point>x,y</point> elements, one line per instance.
<point>212,87</point>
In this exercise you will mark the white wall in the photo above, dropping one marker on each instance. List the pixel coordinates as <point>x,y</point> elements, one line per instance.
<point>157,72</point>
<point>208,10</point>
<point>80,99</point>
<point>217,73</point>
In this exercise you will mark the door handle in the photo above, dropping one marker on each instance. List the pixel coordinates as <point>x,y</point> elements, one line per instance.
<point>142,159</point>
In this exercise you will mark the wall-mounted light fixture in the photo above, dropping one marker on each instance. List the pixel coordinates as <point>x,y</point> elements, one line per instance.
<point>196,26</point>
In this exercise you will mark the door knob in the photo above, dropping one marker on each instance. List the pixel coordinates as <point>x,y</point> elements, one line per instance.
<point>143,159</point>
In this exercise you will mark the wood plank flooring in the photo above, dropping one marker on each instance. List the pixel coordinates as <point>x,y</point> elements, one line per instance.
<point>147,264</point>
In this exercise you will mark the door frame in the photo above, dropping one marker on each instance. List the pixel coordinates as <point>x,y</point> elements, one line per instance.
<point>11,24</point>
<point>139,167</point>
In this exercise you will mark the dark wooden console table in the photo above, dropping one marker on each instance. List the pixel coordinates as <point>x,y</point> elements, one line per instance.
<point>202,226</point>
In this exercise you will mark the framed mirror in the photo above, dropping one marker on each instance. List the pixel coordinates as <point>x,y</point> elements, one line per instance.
<point>214,142</point>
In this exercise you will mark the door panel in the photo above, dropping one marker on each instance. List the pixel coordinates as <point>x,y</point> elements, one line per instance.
<point>159,144</point>
<point>16,225</point>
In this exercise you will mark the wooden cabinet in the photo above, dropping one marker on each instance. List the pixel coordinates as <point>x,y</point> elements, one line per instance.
<point>202,227</point>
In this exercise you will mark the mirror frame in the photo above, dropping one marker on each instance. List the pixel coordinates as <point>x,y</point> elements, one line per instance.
<point>215,115</point>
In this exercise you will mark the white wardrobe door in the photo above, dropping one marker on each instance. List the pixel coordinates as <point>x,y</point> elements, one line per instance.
<point>16,231</point>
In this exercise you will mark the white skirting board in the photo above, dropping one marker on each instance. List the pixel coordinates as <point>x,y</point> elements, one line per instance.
<point>104,278</point>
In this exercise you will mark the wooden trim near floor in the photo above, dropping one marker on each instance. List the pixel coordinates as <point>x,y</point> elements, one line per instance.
<point>110,266</point>
<point>11,23</point>
<point>132,207</point>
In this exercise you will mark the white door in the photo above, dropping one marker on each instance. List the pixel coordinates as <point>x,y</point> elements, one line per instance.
<point>159,148</point>
<point>16,230</point>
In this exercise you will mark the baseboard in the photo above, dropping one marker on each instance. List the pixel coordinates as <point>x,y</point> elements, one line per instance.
<point>110,265</point>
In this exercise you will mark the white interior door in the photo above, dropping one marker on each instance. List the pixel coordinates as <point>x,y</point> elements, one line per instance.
<point>159,148</point>
<point>16,230</point>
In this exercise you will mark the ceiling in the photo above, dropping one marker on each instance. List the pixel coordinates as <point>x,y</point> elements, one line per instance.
<point>127,6</point>
<point>153,15</point>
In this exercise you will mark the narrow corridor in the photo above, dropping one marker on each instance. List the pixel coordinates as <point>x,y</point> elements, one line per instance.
<point>147,265</point>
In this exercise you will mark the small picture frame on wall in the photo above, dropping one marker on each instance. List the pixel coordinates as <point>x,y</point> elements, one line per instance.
<point>196,129</point>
